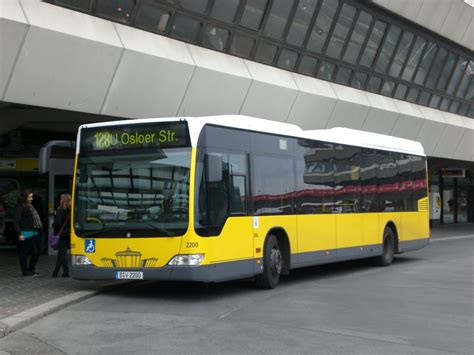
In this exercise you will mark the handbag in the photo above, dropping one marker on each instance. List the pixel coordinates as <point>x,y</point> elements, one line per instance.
<point>53,239</point>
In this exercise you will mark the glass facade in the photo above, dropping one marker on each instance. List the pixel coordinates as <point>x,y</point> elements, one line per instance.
<point>454,181</point>
<point>349,42</point>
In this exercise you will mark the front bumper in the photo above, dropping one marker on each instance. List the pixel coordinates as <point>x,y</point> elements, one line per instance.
<point>204,273</point>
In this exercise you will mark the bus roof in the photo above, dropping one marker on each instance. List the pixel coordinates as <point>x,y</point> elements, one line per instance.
<point>335,135</point>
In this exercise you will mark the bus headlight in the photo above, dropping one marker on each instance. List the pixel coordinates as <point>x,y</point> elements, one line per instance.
<point>187,260</point>
<point>80,260</point>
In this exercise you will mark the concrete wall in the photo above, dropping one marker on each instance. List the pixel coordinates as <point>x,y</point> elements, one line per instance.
<point>54,57</point>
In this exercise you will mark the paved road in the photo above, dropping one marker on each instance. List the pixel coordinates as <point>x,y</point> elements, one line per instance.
<point>421,304</point>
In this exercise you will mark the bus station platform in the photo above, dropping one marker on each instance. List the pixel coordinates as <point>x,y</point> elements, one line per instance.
<point>25,299</point>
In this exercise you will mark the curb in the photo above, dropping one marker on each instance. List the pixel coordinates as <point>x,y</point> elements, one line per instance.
<point>445,239</point>
<point>22,319</point>
<point>25,318</point>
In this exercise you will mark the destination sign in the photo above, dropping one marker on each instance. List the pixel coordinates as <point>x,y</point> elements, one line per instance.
<point>135,137</point>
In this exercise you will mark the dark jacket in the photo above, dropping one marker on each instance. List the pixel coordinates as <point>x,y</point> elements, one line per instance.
<point>63,216</point>
<point>23,220</point>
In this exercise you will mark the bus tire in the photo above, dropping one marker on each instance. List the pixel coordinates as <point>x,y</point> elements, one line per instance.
<point>388,249</point>
<point>272,264</point>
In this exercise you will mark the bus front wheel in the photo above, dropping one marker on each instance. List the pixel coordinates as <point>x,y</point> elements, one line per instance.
<point>388,248</point>
<point>272,264</point>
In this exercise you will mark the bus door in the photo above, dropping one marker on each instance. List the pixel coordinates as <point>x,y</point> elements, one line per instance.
<point>223,207</point>
<point>273,191</point>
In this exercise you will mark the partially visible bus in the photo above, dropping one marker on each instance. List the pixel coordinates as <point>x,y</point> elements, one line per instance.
<point>219,198</point>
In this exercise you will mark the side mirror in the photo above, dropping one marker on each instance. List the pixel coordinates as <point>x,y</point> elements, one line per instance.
<point>43,161</point>
<point>214,167</point>
<point>45,153</point>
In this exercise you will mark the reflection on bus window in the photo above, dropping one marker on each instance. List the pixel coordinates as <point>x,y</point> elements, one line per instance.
<point>139,192</point>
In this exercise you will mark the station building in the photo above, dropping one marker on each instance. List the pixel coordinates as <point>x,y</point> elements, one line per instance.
<point>398,67</point>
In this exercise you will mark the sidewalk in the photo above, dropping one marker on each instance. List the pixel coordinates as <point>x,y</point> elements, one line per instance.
<point>23,300</point>
<point>449,230</point>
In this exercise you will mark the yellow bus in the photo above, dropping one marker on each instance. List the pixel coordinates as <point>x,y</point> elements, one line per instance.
<point>218,198</point>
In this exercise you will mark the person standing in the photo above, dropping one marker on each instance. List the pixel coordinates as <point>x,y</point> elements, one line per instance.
<point>62,228</point>
<point>28,226</point>
<point>38,205</point>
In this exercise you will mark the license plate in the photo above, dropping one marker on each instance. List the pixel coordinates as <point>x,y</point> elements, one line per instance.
<point>129,275</point>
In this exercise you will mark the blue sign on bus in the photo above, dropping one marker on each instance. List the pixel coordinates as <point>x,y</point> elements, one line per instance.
<point>89,246</point>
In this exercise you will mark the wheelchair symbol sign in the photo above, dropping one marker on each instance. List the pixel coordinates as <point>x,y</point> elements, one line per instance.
<point>89,246</point>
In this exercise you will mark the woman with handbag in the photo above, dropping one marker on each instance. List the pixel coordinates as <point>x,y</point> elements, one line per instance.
<point>28,226</point>
<point>62,228</point>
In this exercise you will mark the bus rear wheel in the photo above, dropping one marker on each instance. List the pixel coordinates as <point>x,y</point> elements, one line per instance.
<point>272,264</point>
<point>388,249</point>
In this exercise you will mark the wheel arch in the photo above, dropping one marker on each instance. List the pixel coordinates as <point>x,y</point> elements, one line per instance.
<point>285,247</point>
<point>393,227</point>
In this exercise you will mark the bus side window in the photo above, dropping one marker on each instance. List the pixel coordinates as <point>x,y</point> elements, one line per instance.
<point>346,179</point>
<point>218,201</point>
<point>368,179</point>
<point>314,177</point>
<point>387,176</point>
<point>405,182</point>
<point>218,196</point>
<point>238,195</point>
<point>238,183</point>
<point>229,195</point>
<point>273,184</point>
<point>418,165</point>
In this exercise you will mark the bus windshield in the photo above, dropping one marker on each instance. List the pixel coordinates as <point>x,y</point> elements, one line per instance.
<point>133,195</point>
